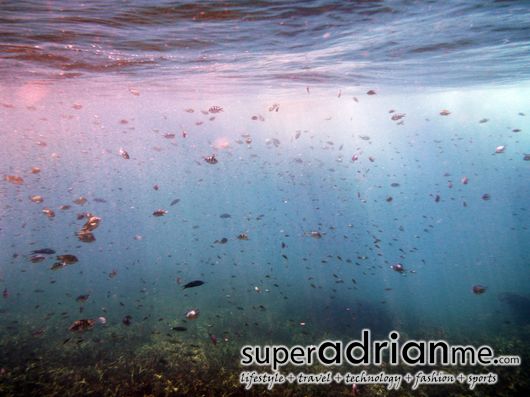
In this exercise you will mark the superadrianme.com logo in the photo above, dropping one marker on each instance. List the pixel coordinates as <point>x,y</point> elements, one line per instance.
<point>365,352</point>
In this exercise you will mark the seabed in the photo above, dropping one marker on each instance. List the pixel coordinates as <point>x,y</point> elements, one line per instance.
<point>118,365</point>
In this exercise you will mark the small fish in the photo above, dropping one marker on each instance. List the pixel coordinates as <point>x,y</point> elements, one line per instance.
<point>486,197</point>
<point>445,112</point>
<point>315,234</point>
<point>174,202</point>
<point>82,298</point>
<point>195,283</point>
<point>48,212</point>
<point>5,294</point>
<point>113,273</point>
<point>224,240</point>
<point>159,212</point>
<point>91,224</point>
<point>179,329</point>
<point>127,320</point>
<point>36,198</point>
<point>211,159</point>
<point>15,180</point>
<point>46,251</point>
<point>85,236</point>
<point>500,149</point>
<point>192,314</point>
<point>225,216</point>
<point>398,267</point>
<point>215,109</point>
<point>57,266</point>
<point>242,236</point>
<point>80,200</point>
<point>213,338</point>
<point>478,289</point>
<point>124,154</point>
<point>67,259</point>
<point>81,325</point>
<point>37,258</point>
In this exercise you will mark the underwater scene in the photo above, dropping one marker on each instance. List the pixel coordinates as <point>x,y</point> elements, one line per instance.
<point>180,180</point>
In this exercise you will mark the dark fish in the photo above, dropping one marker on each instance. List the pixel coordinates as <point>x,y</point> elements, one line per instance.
<point>5,294</point>
<point>100,200</point>
<point>179,329</point>
<point>127,320</point>
<point>195,283</point>
<point>175,201</point>
<point>82,298</point>
<point>224,240</point>
<point>213,338</point>
<point>478,289</point>
<point>486,197</point>
<point>225,216</point>
<point>47,251</point>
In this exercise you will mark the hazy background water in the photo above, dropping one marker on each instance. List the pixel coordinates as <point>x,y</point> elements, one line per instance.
<point>79,82</point>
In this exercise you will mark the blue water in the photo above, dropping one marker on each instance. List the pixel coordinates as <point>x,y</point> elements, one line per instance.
<point>301,147</point>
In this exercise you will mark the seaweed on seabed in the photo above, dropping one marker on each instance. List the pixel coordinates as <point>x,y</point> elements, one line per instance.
<point>162,367</point>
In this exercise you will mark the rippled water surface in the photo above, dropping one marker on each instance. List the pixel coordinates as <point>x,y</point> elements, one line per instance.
<point>400,43</point>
